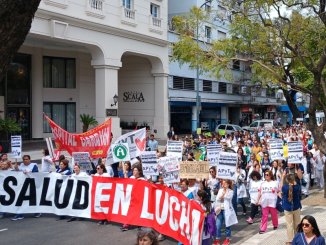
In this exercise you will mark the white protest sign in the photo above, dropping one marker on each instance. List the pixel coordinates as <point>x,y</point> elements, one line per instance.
<point>170,167</point>
<point>83,160</point>
<point>213,153</point>
<point>295,152</point>
<point>16,146</point>
<point>120,152</point>
<point>149,163</point>
<point>276,151</point>
<point>226,166</point>
<point>174,148</point>
<point>136,141</point>
<point>169,164</point>
<point>171,177</point>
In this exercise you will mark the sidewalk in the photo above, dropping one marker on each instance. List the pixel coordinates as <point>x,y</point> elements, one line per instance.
<point>314,205</point>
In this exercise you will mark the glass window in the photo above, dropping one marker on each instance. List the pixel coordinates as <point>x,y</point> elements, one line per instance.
<point>63,114</point>
<point>254,124</point>
<point>229,128</point>
<point>208,32</point>
<point>183,83</point>
<point>221,87</point>
<point>127,4</point>
<point>155,10</point>
<point>207,86</point>
<point>222,126</point>
<point>59,72</point>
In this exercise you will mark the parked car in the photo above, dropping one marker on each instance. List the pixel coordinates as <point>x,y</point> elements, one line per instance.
<point>263,123</point>
<point>224,129</point>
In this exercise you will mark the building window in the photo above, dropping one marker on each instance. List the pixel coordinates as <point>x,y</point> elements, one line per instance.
<point>270,92</point>
<point>208,7</point>
<point>235,89</point>
<point>59,72</point>
<point>63,114</point>
<point>221,35</point>
<point>208,32</point>
<point>183,83</point>
<point>221,87</point>
<point>155,10</point>
<point>236,65</point>
<point>207,86</point>
<point>127,4</point>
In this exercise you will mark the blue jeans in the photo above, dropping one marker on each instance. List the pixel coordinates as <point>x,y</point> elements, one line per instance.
<point>220,219</point>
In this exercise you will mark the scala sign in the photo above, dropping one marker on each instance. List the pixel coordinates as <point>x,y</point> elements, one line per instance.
<point>133,96</point>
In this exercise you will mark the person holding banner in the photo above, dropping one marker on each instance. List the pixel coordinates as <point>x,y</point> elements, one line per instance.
<point>125,170</point>
<point>63,167</point>
<point>267,198</point>
<point>47,162</point>
<point>137,173</point>
<point>224,212</point>
<point>26,167</point>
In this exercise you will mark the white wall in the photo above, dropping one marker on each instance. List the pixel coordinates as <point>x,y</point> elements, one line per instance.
<point>135,76</point>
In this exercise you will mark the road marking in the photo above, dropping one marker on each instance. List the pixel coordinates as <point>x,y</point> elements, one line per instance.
<point>3,230</point>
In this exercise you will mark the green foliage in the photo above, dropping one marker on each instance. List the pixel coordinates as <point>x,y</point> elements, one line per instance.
<point>87,121</point>
<point>8,126</point>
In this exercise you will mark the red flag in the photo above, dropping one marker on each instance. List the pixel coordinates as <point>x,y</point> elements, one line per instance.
<point>95,141</point>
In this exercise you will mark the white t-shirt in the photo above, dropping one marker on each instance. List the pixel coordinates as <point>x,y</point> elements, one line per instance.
<point>81,174</point>
<point>254,190</point>
<point>269,193</point>
<point>47,164</point>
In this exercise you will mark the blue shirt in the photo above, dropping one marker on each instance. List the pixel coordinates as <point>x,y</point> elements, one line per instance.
<point>299,239</point>
<point>296,202</point>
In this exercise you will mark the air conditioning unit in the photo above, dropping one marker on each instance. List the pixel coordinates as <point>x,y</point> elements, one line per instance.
<point>243,90</point>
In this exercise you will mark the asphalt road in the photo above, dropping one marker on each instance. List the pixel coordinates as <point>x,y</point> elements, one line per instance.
<point>47,230</point>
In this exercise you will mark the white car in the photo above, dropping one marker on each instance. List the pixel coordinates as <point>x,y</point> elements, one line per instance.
<point>264,123</point>
<point>224,129</point>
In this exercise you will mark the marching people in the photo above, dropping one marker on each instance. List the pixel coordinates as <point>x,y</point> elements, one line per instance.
<point>26,167</point>
<point>291,201</point>
<point>225,213</point>
<point>47,163</point>
<point>240,176</point>
<point>254,186</point>
<point>267,198</point>
<point>147,237</point>
<point>308,232</point>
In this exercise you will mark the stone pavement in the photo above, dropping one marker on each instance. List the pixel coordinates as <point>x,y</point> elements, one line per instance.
<point>278,237</point>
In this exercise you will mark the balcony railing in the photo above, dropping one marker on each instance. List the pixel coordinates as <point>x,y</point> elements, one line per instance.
<point>95,8</point>
<point>128,16</point>
<point>156,21</point>
<point>129,13</point>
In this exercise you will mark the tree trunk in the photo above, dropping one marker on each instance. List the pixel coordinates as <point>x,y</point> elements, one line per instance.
<point>292,106</point>
<point>16,18</point>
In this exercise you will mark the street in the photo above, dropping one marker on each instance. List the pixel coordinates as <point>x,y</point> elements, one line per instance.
<point>34,231</point>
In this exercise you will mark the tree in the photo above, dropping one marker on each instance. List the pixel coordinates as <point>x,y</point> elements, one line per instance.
<point>279,37</point>
<point>87,121</point>
<point>16,19</point>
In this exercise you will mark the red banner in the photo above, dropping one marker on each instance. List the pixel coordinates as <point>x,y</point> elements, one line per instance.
<point>95,141</point>
<point>141,203</point>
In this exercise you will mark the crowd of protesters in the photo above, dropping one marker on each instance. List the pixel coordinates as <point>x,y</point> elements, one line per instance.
<point>266,187</point>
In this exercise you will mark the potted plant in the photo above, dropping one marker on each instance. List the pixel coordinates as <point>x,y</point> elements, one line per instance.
<point>8,126</point>
<point>87,121</point>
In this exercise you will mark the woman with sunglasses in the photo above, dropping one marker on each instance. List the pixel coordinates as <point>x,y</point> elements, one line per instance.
<point>308,233</point>
<point>267,197</point>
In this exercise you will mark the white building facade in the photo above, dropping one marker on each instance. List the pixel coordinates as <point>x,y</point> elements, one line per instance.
<point>222,100</point>
<point>79,55</point>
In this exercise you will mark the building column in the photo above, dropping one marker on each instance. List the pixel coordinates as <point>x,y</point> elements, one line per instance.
<point>194,119</point>
<point>106,86</point>
<point>224,114</point>
<point>37,91</point>
<point>161,117</point>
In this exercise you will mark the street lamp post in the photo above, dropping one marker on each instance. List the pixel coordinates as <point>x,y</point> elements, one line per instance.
<point>198,102</point>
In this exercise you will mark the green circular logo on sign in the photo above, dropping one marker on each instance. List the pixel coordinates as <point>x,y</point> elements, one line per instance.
<point>120,151</point>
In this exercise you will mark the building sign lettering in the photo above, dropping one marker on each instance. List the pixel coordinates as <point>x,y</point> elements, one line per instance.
<point>133,96</point>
